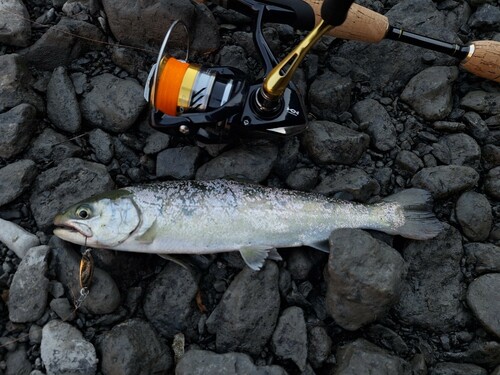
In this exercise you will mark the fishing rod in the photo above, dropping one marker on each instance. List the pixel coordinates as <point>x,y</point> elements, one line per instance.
<point>217,104</point>
<point>481,58</point>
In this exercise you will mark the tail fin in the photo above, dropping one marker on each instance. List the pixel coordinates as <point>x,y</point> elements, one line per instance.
<point>419,221</point>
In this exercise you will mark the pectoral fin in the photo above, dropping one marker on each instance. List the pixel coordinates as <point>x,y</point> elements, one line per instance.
<point>149,235</point>
<point>254,257</point>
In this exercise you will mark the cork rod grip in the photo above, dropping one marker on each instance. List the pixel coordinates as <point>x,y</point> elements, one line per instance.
<point>361,24</point>
<point>484,60</point>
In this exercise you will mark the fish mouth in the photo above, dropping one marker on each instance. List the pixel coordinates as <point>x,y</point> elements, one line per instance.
<point>72,232</point>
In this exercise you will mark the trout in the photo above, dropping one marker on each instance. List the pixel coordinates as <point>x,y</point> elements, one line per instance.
<point>204,217</point>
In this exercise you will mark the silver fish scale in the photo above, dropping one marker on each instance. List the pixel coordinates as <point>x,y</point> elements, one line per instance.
<point>219,215</point>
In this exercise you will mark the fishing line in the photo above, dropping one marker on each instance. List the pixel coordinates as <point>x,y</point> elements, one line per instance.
<point>96,41</point>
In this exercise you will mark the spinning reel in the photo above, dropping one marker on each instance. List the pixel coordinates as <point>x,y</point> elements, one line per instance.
<point>216,104</point>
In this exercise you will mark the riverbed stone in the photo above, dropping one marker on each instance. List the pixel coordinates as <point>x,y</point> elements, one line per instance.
<point>484,257</point>
<point>52,147</point>
<point>330,94</point>
<point>16,28</point>
<point>353,183</point>
<point>15,179</point>
<point>450,368</point>
<point>485,103</point>
<point>483,297</point>
<point>17,127</point>
<point>179,163</point>
<point>473,212</point>
<point>458,149</point>
<point>492,183</point>
<point>62,105</point>
<point>445,180</point>
<point>16,238</point>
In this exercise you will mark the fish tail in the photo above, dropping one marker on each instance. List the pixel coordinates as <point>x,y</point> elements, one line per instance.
<point>415,219</point>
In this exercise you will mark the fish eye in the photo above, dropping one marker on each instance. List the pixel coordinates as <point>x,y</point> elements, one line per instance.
<point>83,212</point>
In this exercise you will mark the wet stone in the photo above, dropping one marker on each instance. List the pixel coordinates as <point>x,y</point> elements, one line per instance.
<point>35,334</point>
<point>374,119</point>
<point>288,157</point>
<point>51,146</point>
<point>17,362</point>
<point>483,297</point>
<point>329,94</point>
<point>480,352</point>
<point>64,310</point>
<point>245,163</point>
<point>485,103</point>
<point>30,287</point>
<point>328,143</point>
<point>458,149</point>
<point>133,347</point>
<point>473,212</point>
<point>303,179</point>
<point>320,346</point>
<point>484,257</point>
<point>359,293</point>
<point>16,28</point>
<point>62,106</point>
<point>17,127</point>
<point>102,145</point>
<point>104,296</point>
<point>491,156</point>
<point>169,302</point>
<point>486,17</point>
<point>431,296</point>
<point>476,126</point>
<point>245,318</point>
<point>203,362</point>
<point>156,142</point>
<point>299,262</point>
<point>388,339</point>
<point>289,340</point>
<point>445,181</point>
<point>16,88</point>
<point>16,238</point>
<point>235,57</point>
<point>65,351</point>
<point>492,183</point>
<point>179,163</point>
<point>408,163</point>
<point>70,182</point>
<point>114,112</point>
<point>429,92</point>
<point>15,179</point>
<point>450,368</point>
<point>352,183</point>
<point>363,357</point>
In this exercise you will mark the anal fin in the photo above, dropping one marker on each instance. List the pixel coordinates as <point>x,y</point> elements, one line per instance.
<point>254,257</point>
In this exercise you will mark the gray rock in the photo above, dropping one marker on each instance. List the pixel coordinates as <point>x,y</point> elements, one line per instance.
<point>16,238</point>
<point>156,142</point>
<point>374,119</point>
<point>70,182</point>
<point>127,19</point>
<point>479,352</point>
<point>234,56</point>
<point>492,183</point>
<point>330,94</point>
<point>328,143</point>
<point>485,103</point>
<point>179,163</point>
<point>447,180</point>
<point>362,357</point>
<point>320,346</point>
<point>450,368</point>
<point>35,334</point>
<point>169,302</point>
<point>17,129</point>
<point>102,145</point>
<point>203,362</point>
<point>486,17</point>
<point>16,84</point>
<point>133,347</point>
<point>458,149</point>
<point>17,362</point>
<point>30,287</point>
<point>496,371</point>
<point>245,318</point>
<point>304,179</point>
<point>128,59</point>
<point>431,296</point>
<point>407,163</point>
<point>299,263</point>
<point>476,127</point>
<point>289,340</point>
<point>473,212</point>
<point>247,163</point>
<point>389,65</point>
<point>16,28</point>
<point>63,43</point>
<point>64,310</point>
<point>288,157</point>
<point>484,257</point>
<point>353,183</point>
<point>51,146</point>
<point>491,156</point>
<point>359,293</point>
<point>429,92</point>
<point>80,8</point>
<point>483,297</point>
<point>62,106</point>
<point>113,104</point>
<point>388,339</point>
<point>104,296</point>
<point>15,178</point>
<point>64,351</point>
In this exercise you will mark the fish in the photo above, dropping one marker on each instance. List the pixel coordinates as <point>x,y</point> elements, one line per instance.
<point>213,216</point>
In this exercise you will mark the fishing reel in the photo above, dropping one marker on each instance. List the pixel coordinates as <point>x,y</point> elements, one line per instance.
<point>217,104</point>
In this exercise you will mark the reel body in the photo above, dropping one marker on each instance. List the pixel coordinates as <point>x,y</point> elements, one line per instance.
<point>217,104</point>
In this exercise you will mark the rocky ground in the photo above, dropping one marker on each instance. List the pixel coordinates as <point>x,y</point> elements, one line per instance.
<point>384,118</point>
